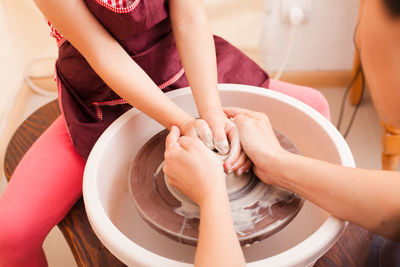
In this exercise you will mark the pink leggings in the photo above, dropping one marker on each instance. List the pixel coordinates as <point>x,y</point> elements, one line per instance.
<point>43,188</point>
<point>48,181</point>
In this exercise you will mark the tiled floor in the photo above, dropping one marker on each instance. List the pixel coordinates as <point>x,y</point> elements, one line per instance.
<point>364,139</point>
<point>365,135</point>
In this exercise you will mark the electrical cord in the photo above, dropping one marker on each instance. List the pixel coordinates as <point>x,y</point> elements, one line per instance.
<point>356,108</point>
<point>296,16</point>
<point>346,92</point>
<point>287,54</point>
<point>358,73</point>
<point>342,106</point>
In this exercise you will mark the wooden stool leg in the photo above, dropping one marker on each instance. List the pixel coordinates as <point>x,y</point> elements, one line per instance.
<point>390,162</point>
<point>391,150</point>
<point>85,246</point>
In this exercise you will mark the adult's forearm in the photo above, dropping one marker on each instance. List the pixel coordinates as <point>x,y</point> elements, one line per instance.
<point>369,198</point>
<point>196,47</point>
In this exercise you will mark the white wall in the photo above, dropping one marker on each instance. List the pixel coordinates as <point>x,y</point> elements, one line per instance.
<point>28,29</point>
<point>238,21</point>
<point>24,36</point>
<point>324,43</point>
<point>10,69</point>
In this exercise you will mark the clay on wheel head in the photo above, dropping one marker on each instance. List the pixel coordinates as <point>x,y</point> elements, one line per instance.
<point>258,210</point>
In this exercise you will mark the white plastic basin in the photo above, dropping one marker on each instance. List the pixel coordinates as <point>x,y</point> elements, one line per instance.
<point>118,225</point>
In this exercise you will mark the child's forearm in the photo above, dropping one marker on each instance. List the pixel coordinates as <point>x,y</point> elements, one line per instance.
<point>196,47</point>
<point>108,58</point>
<point>134,85</point>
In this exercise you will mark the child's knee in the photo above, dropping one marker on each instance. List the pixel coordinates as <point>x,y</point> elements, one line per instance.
<point>307,95</point>
<point>319,103</point>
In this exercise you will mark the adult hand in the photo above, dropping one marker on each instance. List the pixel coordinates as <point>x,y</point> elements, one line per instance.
<point>257,139</point>
<point>226,141</point>
<point>192,168</point>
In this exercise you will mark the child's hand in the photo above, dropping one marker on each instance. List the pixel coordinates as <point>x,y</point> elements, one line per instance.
<point>224,129</point>
<point>192,168</point>
<point>198,128</point>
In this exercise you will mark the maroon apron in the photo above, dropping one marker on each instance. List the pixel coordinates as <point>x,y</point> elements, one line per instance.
<point>144,31</point>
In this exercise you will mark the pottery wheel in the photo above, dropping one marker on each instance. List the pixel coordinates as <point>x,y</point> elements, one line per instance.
<point>258,210</point>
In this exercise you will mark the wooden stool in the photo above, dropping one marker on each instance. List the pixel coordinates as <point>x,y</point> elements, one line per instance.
<point>391,147</point>
<point>84,244</point>
<point>391,133</point>
<point>350,250</point>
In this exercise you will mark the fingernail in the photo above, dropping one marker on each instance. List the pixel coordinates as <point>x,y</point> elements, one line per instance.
<point>247,171</point>
<point>210,145</point>
<point>222,146</point>
<point>209,141</point>
<point>228,165</point>
<point>239,172</point>
<point>230,171</point>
